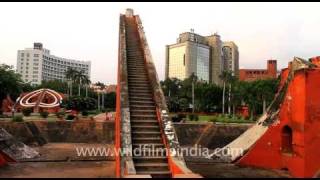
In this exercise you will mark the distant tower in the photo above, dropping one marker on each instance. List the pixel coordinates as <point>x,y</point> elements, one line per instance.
<point>272,68</point>
<point>129,12</point>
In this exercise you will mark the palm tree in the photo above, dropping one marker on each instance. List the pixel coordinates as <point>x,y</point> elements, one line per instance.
<point>80,78</point>
<point>70,75</point>
<point>102,86</point>
<point>86,82</point>
<point>226,77</point>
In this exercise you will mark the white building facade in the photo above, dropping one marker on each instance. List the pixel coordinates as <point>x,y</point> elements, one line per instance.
<point>37,64</point>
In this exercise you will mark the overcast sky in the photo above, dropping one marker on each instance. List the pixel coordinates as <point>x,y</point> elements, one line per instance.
<point>89,31</point>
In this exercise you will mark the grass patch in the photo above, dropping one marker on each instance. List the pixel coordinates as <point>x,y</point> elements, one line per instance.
<point>216,118</point>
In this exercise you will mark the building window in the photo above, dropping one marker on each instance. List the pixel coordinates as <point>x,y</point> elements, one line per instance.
<point>28,55</point>
<point>184,59</point>
<point>36,55</point>
<point>22,54</point>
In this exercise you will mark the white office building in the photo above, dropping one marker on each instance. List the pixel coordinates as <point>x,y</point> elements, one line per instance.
<point>37,64</point>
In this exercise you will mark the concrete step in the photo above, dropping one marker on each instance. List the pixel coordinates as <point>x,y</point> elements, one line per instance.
<point>141,167</point>
<point>146,140</point>
<point>138,79</point>
<point>143,116</point>
<point>145,123</point>
<point>140,84</point>
<point>146,94</point>
<point>140,107</point>
<point>140,91</point>
<point>148,159</point>
<point>148,145</point>
<point>133,80</point>
<point>144,103</point>
<point>137,76</point>
<point>145,128</point>
<point>156,174</point>
<point>144,112</point>
<point>138,88</point>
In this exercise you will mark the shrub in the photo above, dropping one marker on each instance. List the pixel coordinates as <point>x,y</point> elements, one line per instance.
<point>181,117</point>
<point>193,117</point>
<point>84,113</point>
<point>70,117</point>
<point>79,103</point>
<point>175,118</point>
<point>17,118</point>
<point>44,114</point>
<point>196,117</point>
<point>60,114</point>
<point>27,111</point>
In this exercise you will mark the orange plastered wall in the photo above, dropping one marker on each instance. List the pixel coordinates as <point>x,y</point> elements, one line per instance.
<point>300,110</point>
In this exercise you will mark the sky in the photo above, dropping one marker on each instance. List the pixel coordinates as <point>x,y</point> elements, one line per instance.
<point>89,31</point>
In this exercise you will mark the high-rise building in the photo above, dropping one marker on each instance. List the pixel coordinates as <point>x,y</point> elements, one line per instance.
<point>205,56</point>
<point>37,64</point>
<point>231,57</point>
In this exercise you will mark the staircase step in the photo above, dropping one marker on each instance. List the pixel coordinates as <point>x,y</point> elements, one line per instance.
<point>139,85</point>
<point>141,167</point>
<point>139,79</point>
<point>156,174</point>
<point>134,102</point>
<point>143,116</point>
<point>145,133</point>
<point>145,123</point>
<point>148,145</point>
<point>134,90</point>
<point>153,159</point>
<point>146,140</point>
<point>137,107</point>
<point>145,128</point>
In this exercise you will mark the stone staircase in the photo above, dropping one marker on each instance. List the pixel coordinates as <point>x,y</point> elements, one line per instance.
<point>144,124</point>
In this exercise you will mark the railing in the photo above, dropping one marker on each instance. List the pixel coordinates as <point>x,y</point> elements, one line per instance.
<point>124,163</point>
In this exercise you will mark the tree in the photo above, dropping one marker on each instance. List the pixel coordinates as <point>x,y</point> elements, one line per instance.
<point>226,77</point>
<point>81,78</point>
<point>57,85</point>
<point>70,75</point>
<point>10,82</point>
<point>79,103</point>
<point>101,87</point>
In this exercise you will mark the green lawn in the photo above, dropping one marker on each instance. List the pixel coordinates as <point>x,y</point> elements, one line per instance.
<point>218,118</point>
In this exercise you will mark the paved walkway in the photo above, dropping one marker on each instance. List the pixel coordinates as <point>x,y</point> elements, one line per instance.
<point>60,160</point>
<point>102,117</point>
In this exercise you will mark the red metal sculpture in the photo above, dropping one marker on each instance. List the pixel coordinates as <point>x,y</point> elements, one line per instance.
<point>41,100</point>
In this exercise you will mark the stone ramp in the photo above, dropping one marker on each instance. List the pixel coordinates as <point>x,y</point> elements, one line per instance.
<point>14,148</point>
